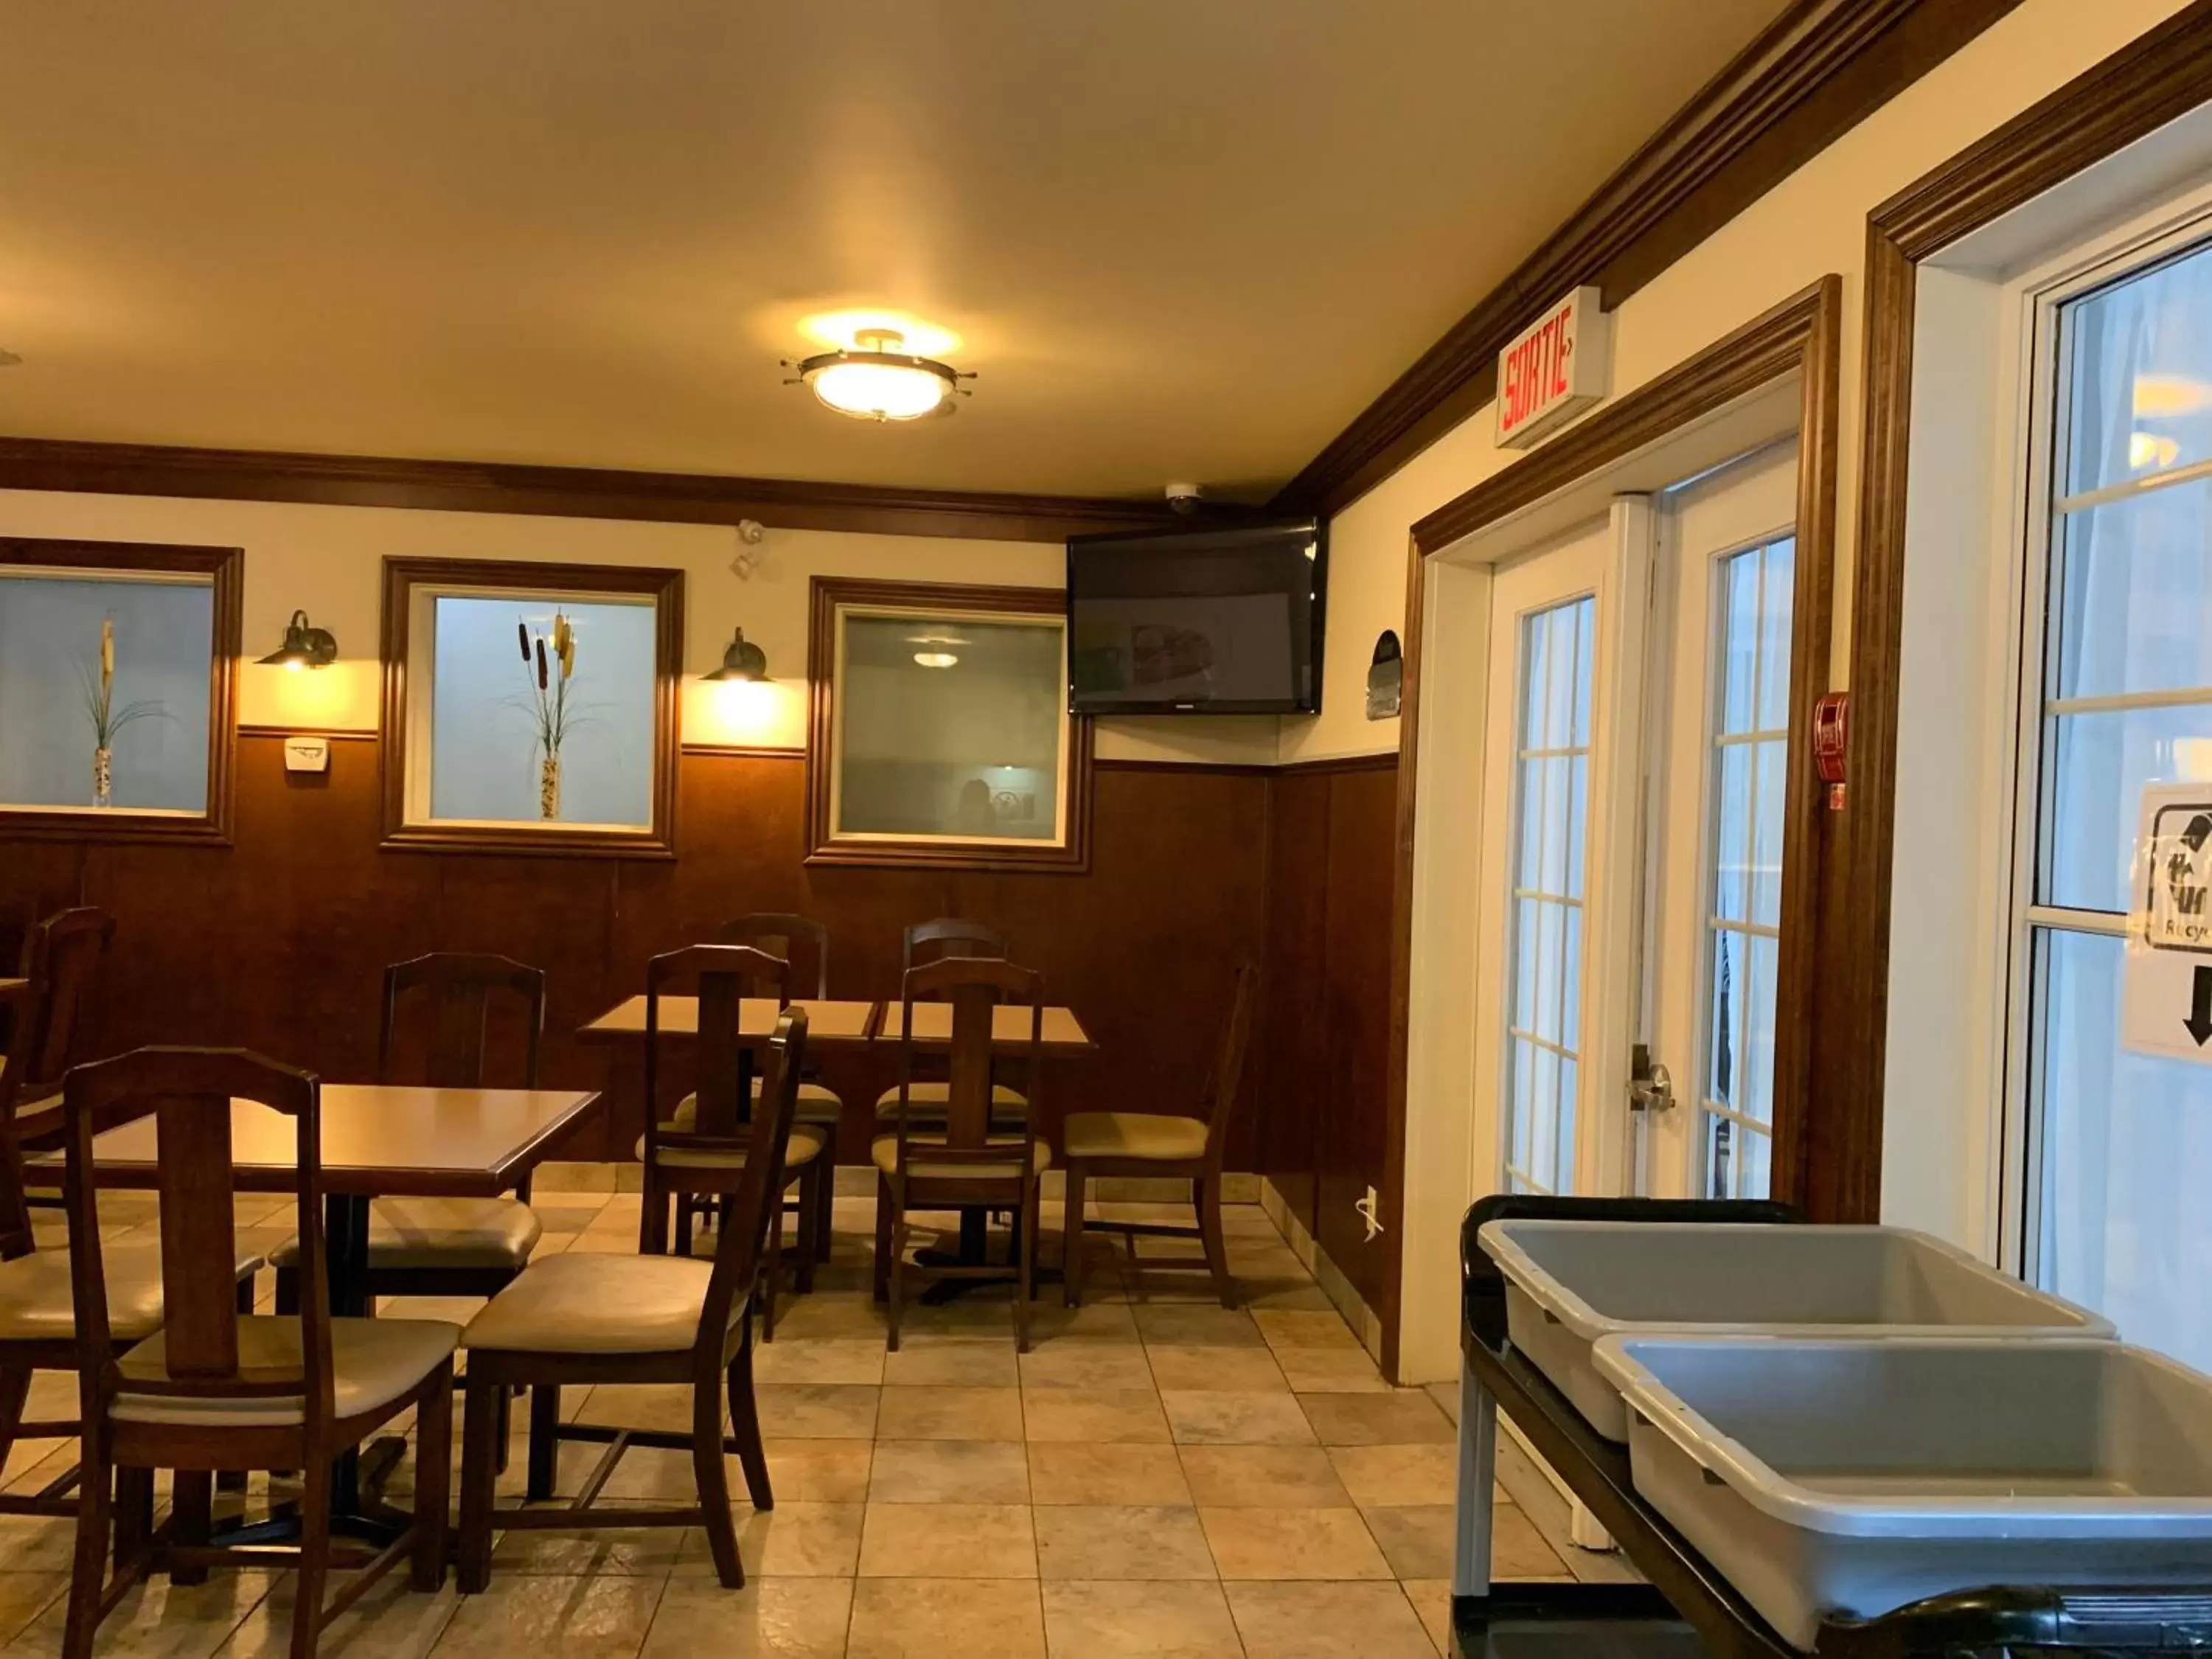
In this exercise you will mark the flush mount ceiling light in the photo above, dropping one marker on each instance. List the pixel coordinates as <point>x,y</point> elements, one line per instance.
<point>877,379</point>
<point>937,649</point>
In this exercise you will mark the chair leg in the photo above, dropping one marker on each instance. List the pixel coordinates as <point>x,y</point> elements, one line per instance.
<point>898,1268</point>
<point>544,1442</point>
<point>88,1568</point>
<point>882,1286</point>
<point>433,1475</point>
<point>745,1429</point>
<point>1072,1253</point>
<point>713,1476</point>
<point>683,1224</point>
<point>192,1518</point>
<point>653,1218</point>
<point>810,1223</point>
<point>479,1427</point>
<point>14,1391</point>
<point>288,1293</point>
<point>506,1428</point>
<point>134,1515</point>
<point>1208,1194</point>
<point>1025,1284</point>
<point>772,1280</point>
<point>825,1200</point>
<point>315,1566</point>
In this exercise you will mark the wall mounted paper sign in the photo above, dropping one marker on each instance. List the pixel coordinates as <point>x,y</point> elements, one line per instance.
<point>2167,994</point>
<point>1386,677</point>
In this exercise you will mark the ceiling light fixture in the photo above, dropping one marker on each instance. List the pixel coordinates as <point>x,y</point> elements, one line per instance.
<point>877,381</point>
<point>935,659</point>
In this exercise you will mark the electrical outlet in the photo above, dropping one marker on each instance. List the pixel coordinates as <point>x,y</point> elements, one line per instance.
<point>1371,1212</point>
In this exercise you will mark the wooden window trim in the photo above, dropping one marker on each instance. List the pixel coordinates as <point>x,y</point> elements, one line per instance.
<point>665,588</point>
<point>225,566</point>
<point>828,594</point>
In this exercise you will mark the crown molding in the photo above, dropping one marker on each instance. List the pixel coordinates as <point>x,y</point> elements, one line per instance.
<point>573,492</point>
<point>1815,72</point>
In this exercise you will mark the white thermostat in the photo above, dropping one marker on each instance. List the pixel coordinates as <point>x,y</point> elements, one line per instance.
<point>306,753</point>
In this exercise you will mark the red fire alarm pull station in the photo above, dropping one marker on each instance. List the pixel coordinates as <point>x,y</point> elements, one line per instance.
<point>1832,726</point>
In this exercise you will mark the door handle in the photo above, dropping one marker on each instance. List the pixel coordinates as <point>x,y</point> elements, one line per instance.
<point>1651,1087</point>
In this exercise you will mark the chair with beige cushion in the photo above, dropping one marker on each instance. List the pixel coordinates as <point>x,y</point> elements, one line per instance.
<point>1160,1144</point>
<point>62,961</point>
<point>592,1319</point>
<point>446,1246</point>
<point>948,1154</point>
<point>676,1168</point>
<point>939,940</point>
<point>38,1325</point>
<point>216,1388</point>
<point>802,942</point>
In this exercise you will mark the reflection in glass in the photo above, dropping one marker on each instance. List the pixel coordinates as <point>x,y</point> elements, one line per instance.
<point>950,726</point>
<point>1551,772</point>
<point>1750,765</point>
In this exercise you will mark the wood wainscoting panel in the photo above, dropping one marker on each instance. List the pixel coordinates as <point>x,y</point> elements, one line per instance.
<point>278,942</point>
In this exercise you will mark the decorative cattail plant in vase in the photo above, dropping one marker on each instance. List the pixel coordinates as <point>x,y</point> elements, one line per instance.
<point>107,721</point>
<point>549,673</point>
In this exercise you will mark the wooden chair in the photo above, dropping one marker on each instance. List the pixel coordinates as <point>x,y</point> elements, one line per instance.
<point>63,962</point>
<point>446,1246</point>
<point>945,938</point>
<point>593,1320</point>
<point>781,933</point>
<point>37,1321</point>
<point>1151,1143</point>
<point>214,1389</point>
<point>723,975</point>
<point>948,1156</point>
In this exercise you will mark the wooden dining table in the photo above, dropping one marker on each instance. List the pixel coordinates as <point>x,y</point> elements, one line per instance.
<point>829,1020</point>
<point>12,990</point>
<point>1062,1036</point>
<point>378,1142</point>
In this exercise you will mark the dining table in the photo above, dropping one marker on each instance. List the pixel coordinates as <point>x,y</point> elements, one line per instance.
<point>1060,1035</point>
<point>378,1142</point>
<point>829,1020</point>
<point>13,990</point>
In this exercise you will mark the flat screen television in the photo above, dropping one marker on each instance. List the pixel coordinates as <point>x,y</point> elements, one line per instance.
<point>1223,621</point>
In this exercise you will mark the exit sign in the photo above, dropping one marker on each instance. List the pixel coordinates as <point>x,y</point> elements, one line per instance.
<point>1555,367</point>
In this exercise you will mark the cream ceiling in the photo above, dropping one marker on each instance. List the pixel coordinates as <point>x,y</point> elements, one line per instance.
<point>1178,237</point>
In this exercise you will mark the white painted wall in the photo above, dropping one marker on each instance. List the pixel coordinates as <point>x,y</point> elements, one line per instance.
<point>1812,223</point>
<point>328,561</point>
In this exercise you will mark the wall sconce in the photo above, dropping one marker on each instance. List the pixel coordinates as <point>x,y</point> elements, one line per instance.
<point>305,646</point>
<point>742,660</point>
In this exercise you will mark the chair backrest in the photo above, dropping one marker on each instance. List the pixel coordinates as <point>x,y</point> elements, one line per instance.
<point>783,934</point>
<point>66,953</point>
<point>976,988</point>
<point>720,975</point>
<point>1226,1078</point>
<point>189,1093</point>
<point>742,1239</point>
<point>459,987</point>
<point>947,937</point>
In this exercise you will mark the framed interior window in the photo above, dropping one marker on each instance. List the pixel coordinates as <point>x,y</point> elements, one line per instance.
<point>118,671</point>
<point>940,733</point>
<point>530,708</point>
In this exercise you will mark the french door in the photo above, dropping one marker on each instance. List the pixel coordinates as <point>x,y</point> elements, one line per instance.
<point>1637,717</point>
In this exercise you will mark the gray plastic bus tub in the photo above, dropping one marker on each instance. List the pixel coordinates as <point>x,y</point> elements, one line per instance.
<point>1569,1283</point>
<point>1854,1476</point>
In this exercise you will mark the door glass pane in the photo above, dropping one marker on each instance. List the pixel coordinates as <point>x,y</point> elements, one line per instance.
<point>2122,1142</point>
<point>2140,354</point>
<point>1551,771</point>
<point>1753,591</point>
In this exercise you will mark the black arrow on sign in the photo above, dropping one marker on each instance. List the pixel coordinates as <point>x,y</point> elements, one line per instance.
<point>2200,1013</point>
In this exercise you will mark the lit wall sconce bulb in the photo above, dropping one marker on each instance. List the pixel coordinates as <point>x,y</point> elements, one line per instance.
<point>741,660</point>
<point>305,646</point>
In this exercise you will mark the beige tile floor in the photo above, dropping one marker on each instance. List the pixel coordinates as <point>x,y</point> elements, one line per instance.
<point>1158,1477</point>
